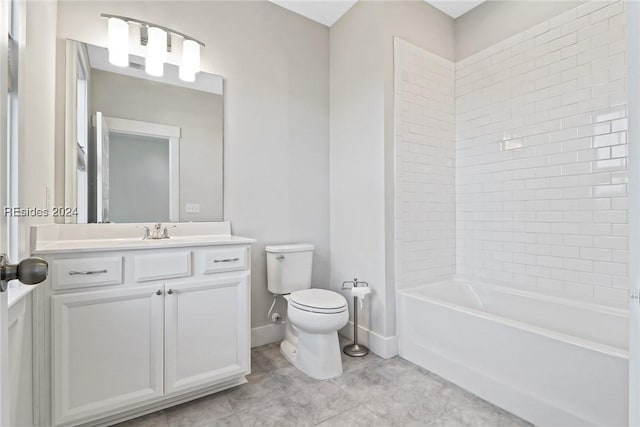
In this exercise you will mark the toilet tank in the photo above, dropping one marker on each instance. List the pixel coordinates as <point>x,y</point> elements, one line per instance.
<point>289,267</point>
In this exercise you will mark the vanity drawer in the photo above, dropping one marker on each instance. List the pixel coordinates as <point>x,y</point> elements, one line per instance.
<point>225,259</point>
<point>165,265</point>
<point>85,272</point>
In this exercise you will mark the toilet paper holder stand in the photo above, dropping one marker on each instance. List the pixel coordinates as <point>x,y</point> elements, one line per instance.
<point>356,349</point>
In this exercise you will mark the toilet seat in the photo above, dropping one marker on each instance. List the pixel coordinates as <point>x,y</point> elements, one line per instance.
<point>318,301</point>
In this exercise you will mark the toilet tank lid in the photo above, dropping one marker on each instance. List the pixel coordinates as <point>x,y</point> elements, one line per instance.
<point>301,247</point>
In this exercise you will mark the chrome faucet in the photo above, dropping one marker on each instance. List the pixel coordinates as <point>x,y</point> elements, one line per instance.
<point>157,232</point>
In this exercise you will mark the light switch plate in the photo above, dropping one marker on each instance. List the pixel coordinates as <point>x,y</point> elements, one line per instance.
<point>192,208</point>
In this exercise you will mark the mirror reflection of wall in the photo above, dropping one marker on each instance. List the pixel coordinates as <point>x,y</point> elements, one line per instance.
<point>148,149</point>
<point>82,133</point>
<point>138,178</point>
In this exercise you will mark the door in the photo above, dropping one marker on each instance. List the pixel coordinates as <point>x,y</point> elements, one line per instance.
<point>102,168</point>
<point>107,351</point>
<point>5,28</point>
<point>633,98</point>
<point>207,331</point>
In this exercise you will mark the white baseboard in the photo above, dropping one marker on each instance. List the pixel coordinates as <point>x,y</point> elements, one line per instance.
<point>385,347</point>
<point>267,334</point>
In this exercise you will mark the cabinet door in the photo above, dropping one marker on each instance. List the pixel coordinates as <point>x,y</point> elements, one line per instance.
<point>107,351</point>
<point>207,332</point>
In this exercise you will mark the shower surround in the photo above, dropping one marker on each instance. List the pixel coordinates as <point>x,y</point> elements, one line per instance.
<point>511,176</point>
<point>535,126</point>
<point>541,156</point>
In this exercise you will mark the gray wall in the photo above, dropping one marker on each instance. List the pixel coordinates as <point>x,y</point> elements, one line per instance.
<point>357,155</point>
<point>37,88</point>
<point>494,21</point>
<point>276,158</point>
<point>361,141</point>
<point>199,116</point>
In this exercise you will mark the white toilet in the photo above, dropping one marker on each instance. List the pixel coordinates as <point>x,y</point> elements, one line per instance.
<point>315,315</point>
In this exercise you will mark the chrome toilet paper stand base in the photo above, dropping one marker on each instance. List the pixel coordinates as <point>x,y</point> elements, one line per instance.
<point>355,349</point>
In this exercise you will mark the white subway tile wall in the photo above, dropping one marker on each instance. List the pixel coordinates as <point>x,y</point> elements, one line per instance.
<point>424,163</point>
<point>541,157</point>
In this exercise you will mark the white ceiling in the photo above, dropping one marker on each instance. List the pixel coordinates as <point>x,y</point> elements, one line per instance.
<point>455,8</point>
<point>327,12</point>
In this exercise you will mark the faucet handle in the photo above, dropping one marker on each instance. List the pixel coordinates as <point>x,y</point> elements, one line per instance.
<point>147,232</point>
<point>165,232</point>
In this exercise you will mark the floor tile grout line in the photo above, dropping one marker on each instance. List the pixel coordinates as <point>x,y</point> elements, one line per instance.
<point>337,415</point>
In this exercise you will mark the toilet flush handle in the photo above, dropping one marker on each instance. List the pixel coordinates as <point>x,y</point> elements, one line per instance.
<point>280,257</point>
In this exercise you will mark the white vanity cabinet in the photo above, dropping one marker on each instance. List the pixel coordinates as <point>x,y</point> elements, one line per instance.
<point>107,351</point>
<point>205,331</point>
<point>138,330</point>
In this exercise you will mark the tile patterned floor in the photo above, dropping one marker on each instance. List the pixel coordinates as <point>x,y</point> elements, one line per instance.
<point>371,392</point>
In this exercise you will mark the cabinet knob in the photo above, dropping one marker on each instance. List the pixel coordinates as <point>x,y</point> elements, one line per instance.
<point>159,292</point>
<point>170,291</point>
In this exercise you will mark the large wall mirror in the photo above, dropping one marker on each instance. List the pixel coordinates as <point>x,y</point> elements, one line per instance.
<point>140,148</point>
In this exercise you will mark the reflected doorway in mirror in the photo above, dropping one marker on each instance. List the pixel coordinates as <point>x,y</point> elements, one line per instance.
<point>137,171</point>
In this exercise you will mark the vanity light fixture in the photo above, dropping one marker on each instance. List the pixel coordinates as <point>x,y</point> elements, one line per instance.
<point>118,42</point>
<point>157,40</point>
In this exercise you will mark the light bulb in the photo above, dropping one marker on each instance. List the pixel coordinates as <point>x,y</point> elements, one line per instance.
<point>118,42</point>
<point>156,51</point>
<point>186,74</point>
<point>190,60</point>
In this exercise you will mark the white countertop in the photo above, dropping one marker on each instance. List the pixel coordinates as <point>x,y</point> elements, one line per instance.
<point>67,238</point>
<point>18,291</point>
<point>137,243</point>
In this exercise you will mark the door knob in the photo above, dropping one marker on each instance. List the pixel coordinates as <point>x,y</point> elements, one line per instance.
<point>29,271</point>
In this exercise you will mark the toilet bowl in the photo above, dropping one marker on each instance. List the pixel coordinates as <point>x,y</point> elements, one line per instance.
<point>314,315</point>
<point>311,343</point>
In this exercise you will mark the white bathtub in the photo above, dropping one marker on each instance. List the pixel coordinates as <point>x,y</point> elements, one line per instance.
<point>550,360</point>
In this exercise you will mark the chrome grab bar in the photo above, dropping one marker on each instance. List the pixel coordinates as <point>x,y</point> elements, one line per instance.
<point>74,273</point>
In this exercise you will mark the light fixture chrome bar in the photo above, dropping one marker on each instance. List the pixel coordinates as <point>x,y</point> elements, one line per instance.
<point>150,24</point>
<point>144,36</point>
